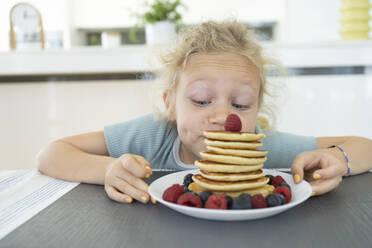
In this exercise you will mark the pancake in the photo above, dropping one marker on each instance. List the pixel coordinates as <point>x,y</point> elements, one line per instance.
<point>233,136</point>
<point>229,168</point>
<point>229,186</point>
<point>264,190</point>
<point>219,176</point>
<point>237,152</point>
<point>228,159</point>
<point>233,144</point>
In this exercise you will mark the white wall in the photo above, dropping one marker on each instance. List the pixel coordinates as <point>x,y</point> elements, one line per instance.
<point>68,15</point>
<point>104,14</point>
<point>298,20</point>
<point>117,13</point>
<point>337,105</point>
<point>315,20</point>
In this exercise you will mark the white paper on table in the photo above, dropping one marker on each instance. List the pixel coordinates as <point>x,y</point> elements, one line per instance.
<point>24,193</point>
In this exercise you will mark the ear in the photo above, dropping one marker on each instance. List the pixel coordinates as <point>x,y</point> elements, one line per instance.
<point>165,100</point>
<point>168,106</point>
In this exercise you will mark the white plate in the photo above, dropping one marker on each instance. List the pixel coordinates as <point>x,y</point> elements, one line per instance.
<point>300,193</point>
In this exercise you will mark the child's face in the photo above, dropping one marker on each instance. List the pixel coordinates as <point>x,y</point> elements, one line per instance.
<point>210,88</point>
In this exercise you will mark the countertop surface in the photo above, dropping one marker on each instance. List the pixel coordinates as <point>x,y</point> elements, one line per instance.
<point>86,217</point>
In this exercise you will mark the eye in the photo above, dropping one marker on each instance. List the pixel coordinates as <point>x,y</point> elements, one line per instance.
<point>200,103</point>
<point>239,106</point>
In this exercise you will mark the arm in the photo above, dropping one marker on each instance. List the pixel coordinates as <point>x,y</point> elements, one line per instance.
<point>84,158</point>
<point>80,158</point>
<point>324,167</point>
<point>358,149</point>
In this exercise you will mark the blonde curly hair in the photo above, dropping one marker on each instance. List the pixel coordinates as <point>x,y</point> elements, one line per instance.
<point>215,37</point>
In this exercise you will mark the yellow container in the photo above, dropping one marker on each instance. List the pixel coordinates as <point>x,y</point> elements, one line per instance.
<point>354,19</point>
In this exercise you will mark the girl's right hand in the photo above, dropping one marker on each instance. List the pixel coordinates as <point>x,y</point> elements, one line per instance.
<point>123,179</point>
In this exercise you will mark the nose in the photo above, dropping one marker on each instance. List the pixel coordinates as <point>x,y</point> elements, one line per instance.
<point>218,117</point>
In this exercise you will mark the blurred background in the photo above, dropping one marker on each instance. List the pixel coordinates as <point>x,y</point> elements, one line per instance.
<point>74,66</point>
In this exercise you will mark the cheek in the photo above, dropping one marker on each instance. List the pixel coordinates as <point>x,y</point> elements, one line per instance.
<point>249,126</point>
<point>187,124</point>
<point>187,117</point>
<point>249,122</point>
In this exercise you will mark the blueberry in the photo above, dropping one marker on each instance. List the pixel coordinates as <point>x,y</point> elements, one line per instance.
<point>285,185</point>
<point>274,200</point>
<point>243,201</point>
<point>185,189</point>
<point>229,201</point>
<point>281,198</point>
<point>270,178</point>
<point>204,196</point>
<point>188,179</point>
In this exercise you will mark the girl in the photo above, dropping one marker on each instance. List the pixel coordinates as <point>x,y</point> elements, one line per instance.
<point>214,70</point>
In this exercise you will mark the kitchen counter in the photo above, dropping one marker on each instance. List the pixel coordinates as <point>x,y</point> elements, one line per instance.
<point>141,58</point>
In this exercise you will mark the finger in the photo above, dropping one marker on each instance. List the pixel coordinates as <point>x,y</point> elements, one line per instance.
<point>330,167</point>
<point>135,166</point>
<point>303,161</point>
<point>128,189</point>
<point>144,162</point>
<point>133,180</point>
<point>323,186</point>
<point>117,196</point>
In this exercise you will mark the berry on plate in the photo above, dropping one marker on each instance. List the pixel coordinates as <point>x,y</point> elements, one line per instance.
<point>258,201</point>
<point>204,196</point>
<point>229,201</point>
<point>216,202</point>
<point>172,193</point>
<point>187,180</point>
<point>275,181</point>
<point>270,178</point>
<point>274,200</point>
<point>285,185</point>
<point>243,201</point>
<point>190,199</point>
<point>285,192</point>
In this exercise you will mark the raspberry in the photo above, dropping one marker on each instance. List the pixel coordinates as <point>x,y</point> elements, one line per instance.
<point>285,192</point>
<point>190,199</point>
<point>258,201</point>
<point>275,181</point>
<point>233,123</point>
<point>216,202</point>
<point>285,185</point>
<point>172,193</point>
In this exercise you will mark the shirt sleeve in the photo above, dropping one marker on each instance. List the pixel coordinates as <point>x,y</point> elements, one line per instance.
<point>283,147</point>
<point>144,136</point>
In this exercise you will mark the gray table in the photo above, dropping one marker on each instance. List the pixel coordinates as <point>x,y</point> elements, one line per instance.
<point>86,217</point>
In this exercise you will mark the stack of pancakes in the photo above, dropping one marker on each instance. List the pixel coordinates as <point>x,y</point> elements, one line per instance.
<point>232,165</point>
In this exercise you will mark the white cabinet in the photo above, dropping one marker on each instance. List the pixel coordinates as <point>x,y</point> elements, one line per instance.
<point>118,13</point>
<point>243,10</point>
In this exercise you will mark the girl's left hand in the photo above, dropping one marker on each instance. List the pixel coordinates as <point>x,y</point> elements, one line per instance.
<point>322,168</point>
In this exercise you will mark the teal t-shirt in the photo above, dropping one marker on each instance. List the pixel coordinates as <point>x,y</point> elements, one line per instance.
<point>158,142</point>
